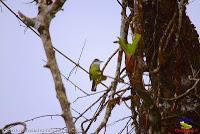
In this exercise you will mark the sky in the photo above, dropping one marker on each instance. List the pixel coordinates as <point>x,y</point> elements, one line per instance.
<point>27,88</point>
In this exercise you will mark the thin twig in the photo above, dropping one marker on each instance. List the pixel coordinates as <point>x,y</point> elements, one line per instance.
<point>120,3</point>
<point>80,97</point>
<point>126,125</point>
<point>170,24</point>
<point>184,94</point>
<point>75,85</point>
<point>114,122</point>
<point>78,113</point>
<point>75,67</point>
<point>90,106</point>
<point>42,116</point>
<point>8,126</point>
<point>109,59</point>
<point>81,53</point>
<point>98,111</point>
<point>70,81</point>
<point>168,38</point>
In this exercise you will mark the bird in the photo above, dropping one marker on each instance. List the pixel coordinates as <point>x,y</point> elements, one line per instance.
<point>185,125</point>
<point>96,75</point>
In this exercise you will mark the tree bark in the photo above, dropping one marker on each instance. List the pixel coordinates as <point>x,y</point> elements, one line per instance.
<point>171,48</point>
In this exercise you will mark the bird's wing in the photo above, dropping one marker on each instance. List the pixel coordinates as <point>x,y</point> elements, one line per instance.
<point>90,72</point>
<point>94,86</point>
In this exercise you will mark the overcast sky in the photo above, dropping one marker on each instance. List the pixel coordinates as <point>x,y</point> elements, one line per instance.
<point>27,88</point>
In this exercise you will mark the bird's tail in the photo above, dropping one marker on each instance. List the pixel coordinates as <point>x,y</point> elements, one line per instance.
<point>97,81</point>
<point>94,86</point>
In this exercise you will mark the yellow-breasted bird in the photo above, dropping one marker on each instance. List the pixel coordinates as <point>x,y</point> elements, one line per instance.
<point>96,74</point>
<point>185,125</point>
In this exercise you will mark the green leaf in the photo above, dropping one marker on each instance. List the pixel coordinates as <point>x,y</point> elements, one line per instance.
<point>130,48</point>
<point>134,44</point>
<point>122,44</point>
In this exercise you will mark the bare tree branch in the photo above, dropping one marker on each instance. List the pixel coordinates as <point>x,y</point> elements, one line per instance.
<point>42,22</point>
<point>8,126</point>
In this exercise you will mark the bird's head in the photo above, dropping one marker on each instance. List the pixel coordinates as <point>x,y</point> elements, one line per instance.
<point>96,61</point>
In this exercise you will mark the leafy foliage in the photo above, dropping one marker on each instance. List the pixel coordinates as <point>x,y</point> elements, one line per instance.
<point>128,48</point>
